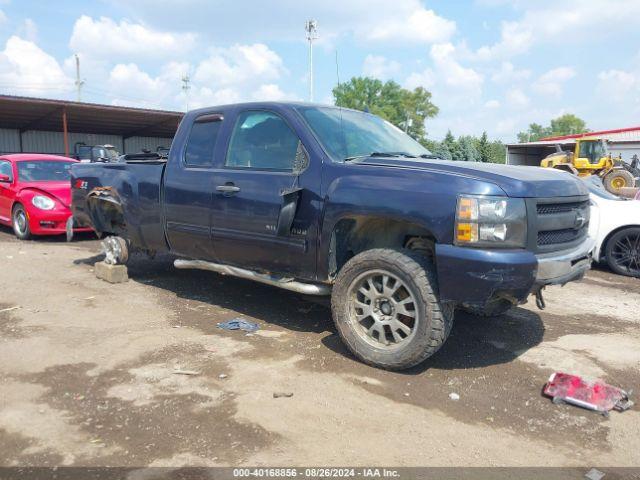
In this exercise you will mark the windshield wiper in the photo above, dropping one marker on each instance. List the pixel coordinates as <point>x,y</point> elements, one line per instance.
<point>380,154</point>
<point>431,156</point>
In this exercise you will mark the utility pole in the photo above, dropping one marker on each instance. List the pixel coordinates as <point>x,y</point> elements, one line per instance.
<point>311,27</point>
<point>79,83</point>
<point>185,88</point>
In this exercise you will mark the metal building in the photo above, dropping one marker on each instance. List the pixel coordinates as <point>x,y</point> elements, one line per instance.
<point>623,141</point>
<point>39,125</point>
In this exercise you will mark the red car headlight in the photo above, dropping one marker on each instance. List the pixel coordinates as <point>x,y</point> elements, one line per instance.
<point>43,203</point>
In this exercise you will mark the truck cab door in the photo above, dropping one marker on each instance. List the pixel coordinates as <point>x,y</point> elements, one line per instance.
<point>265,207</point>
<point>188,189</point>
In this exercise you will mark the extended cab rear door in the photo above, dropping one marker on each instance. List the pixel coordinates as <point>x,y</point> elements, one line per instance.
<point>189,186</point>
<point>254,186</point>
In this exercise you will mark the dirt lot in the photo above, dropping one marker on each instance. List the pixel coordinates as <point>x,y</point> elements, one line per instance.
<point>86,374</point>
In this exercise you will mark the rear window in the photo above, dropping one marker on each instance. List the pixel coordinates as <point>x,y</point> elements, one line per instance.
<point>44,171</point>
<point>202,141</point>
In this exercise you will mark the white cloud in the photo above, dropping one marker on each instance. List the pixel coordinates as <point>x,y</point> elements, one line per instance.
<point>270,92</point>
<point>379,67</point>
<point>3,17</point>
<point>104,38</point>
<point>568,21</point>
<point>509,74</point>
<point>515,38</point>
<point>619,86</point>
<point>552,82</point>
<point>416,25</point>
<point>454,75</point>
<point>516,98</point>
<point>238,73</point>
<point>240,63</point>
<point>28,30</point>
<point>25,69</point>
<point>398,21</point>
<point>492,104</point>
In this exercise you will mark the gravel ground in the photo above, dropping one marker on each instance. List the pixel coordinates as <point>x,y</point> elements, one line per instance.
<point>87,374</point>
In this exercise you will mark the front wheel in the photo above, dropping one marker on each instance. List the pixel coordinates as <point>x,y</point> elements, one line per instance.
<point>386,308</point>
<point>623,252</point>
<point>20,223</point>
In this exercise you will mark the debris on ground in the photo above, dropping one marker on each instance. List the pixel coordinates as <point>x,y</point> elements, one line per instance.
<point>454,396</point>
<point>594,474</point>
<point>186,372</point>
<point>592,395</point>
<point>282,394</point>
<point>239,323</point>
<point>222,376</point>
<point>10,309</point>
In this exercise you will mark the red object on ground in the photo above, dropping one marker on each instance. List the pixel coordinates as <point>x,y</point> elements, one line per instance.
<point>593,395</point>
<point>23,177</point>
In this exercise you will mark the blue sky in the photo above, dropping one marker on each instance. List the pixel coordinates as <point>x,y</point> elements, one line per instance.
<point>491,65</point>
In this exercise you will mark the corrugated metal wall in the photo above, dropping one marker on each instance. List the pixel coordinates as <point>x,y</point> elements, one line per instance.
<point>53,142</point>
<point>136,144</point>
<point>9,141</point>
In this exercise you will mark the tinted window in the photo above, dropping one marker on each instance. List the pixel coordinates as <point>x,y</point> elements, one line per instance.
<point>5,169</point>
<point>44,171</point>
<point>202,142</point>
<point>262,140</point>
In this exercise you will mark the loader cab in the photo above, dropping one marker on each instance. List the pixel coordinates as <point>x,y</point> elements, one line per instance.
<point>591,154</point>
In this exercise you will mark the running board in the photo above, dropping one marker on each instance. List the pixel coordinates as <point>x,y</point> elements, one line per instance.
<point>281,282</point>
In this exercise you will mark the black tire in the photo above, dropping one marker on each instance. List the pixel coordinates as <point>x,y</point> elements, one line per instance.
<point>20,222</point>
<point>432,321</point>
<point>623,252</point>
<point>493,309</point>
<point>618,176</point>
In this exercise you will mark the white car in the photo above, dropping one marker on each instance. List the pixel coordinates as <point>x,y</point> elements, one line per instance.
<point>615,224</point>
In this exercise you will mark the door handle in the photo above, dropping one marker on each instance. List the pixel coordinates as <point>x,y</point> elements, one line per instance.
<point>227,189</point>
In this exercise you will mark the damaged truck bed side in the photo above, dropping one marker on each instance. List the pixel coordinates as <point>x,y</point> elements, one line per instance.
<point>323,200</point>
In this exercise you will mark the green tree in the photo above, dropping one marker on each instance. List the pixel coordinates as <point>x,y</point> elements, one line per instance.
<point>483,148</point>
<point>534,132</point>
<point>406,109</point>
<point>468,150</point>
<point>567,124</point>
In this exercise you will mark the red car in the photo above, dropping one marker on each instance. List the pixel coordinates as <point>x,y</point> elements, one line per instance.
<point>35,194</point>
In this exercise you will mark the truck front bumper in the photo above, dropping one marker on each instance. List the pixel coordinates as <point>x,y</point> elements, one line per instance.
<point>559,268</point>
<point>476,277</point>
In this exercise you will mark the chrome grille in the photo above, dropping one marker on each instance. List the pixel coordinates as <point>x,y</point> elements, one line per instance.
<point>560,223</point>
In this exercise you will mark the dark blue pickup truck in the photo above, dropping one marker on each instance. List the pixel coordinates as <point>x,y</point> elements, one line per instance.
<point>323,200</point>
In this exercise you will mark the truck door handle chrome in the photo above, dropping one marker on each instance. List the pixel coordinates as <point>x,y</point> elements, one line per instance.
<point>227,188</point>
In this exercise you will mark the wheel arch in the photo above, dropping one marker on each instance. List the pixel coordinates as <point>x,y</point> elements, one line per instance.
<point>353,234</point>
<point>603,247</point>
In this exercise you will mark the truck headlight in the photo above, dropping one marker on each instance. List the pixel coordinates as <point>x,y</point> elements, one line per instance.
<point>43,203</point>
<point>490,222</point>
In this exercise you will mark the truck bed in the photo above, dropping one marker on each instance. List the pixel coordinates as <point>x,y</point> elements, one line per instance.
<point>121,198</point>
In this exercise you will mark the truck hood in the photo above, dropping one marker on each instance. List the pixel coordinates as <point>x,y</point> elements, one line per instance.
<point>515,181</point>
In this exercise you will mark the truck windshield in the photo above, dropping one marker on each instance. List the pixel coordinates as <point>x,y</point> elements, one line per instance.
<point>44,171</point>
<point>348,134</point>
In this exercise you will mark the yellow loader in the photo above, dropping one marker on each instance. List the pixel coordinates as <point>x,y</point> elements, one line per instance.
<point>591,157</point>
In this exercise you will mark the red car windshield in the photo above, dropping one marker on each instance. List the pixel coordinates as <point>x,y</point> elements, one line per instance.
<point>44,171</point>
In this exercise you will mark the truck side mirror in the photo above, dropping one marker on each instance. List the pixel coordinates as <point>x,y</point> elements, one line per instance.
<point>301,162</point>
<point>5,178</point>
